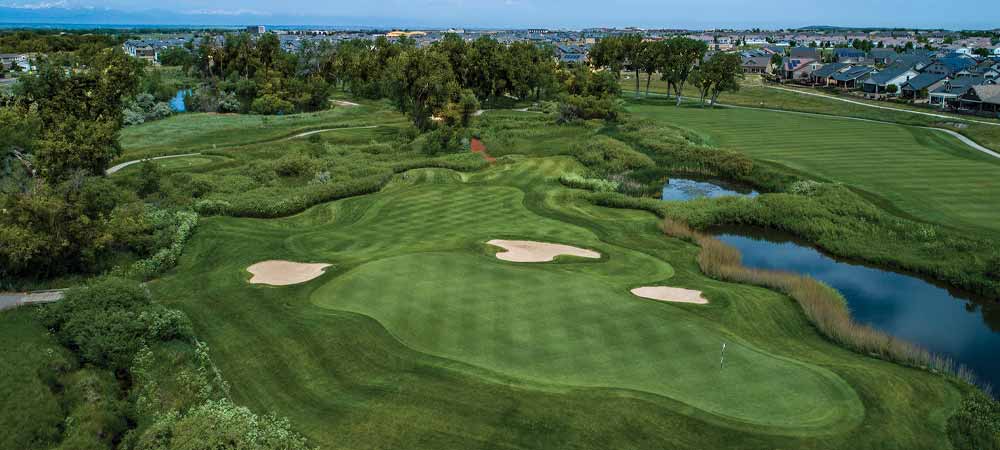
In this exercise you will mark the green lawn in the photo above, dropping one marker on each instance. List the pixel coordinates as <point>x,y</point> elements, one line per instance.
<point>754,93</point>
<point>924,173</point>
<point>418,337</point>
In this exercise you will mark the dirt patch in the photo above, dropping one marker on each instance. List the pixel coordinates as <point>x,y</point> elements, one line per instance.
<point>531,251</point>
<point>477,146</point>
<point>670,294</point>
<point>284,273</point>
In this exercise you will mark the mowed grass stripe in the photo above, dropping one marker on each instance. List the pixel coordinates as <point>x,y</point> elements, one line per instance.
<point>920,171</point>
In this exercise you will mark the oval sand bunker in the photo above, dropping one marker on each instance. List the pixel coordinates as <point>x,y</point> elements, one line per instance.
<point>284,273</point>
<point>670,294</point>
<point>531,251</point>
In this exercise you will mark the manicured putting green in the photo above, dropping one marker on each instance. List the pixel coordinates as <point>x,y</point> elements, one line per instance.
<point>549,324</point>
<point>923,172</point>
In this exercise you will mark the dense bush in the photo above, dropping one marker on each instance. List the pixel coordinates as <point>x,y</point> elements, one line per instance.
<point>287,202</point>
<point>576,107</point>
<point>271,104</point>
<point>574,180</point>
<point>443,139</point>
<point>976,426</point>
<point>606,155</point>
<point>108,321</point>
<point>182,225</point>
<point>220,424</point>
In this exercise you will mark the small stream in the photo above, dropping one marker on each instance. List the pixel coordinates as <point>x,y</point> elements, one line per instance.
<point>946,321</point>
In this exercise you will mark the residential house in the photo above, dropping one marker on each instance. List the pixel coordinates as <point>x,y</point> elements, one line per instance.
<point>799,69</point>
<point>919,87</point>
<point>804,53</point>
<point>9,60</point>
<point>757,64</point>
<point>849,55</point>
<point>947,94</point>
<point>982,98</point>
<point>852,77</point>
<point>895,75</point>
<point>949,65</point>
<point>884,56</point>
<point>824,75</point>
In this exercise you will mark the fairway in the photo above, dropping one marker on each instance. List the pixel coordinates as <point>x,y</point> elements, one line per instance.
<point>416,308</point>
<point>922,172</point>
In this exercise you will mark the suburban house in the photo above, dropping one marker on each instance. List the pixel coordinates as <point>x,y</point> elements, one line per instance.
<point>950,65</point>
<point>983,98</point>
<point>849,55</point>
<point>919,87</point>
<point>824,75</point>
<point>804,53</point>
<point>757,64</point>
<point>884,56</point>
<point>947,94</point>
<point>852,77</point>
<point>9,60</point>
<point>799,69</point>
<point>894,75</point>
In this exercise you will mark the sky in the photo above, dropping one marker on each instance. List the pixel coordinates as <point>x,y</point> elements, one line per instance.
<point>571,14</point>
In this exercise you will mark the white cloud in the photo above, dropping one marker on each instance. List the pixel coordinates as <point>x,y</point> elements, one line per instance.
<point>38,5</point>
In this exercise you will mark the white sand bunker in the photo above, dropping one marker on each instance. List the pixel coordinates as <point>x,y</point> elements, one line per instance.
<point>531,251</point>
<point>670,294</point>
<point>284,273</point>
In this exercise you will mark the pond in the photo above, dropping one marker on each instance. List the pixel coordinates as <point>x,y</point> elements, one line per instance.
<point>177,102</point>
<point>960,325</point>
<point>687,189</point>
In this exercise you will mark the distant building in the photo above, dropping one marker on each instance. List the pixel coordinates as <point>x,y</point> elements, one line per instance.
<point>256,29</point>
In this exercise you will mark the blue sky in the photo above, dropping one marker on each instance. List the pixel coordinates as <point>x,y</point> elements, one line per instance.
<point>555,13</point>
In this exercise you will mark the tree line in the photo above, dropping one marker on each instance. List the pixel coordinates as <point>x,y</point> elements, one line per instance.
<point>677,60</point>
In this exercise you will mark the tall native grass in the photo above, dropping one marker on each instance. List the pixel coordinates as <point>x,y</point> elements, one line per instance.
<point>823,306</point>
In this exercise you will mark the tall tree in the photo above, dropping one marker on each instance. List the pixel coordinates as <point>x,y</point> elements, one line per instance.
<point>632,50</point>
<point>682,56</point>
<point>421,84</point>
<point>652,60</point>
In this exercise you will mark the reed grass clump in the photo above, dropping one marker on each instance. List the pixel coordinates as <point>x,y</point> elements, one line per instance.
<point>823,306</point>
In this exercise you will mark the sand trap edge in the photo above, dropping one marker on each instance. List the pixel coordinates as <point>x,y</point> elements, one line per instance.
<point>670,294</point>
<point>278,272</point>
<point>534,251</point>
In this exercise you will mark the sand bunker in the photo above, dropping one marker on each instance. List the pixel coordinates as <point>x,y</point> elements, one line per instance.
<point>284,273</point>
<point>530,251</point>
<point>670,294</point>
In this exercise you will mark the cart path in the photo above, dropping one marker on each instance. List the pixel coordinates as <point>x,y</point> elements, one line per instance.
<point>855,102</point>
<point>10,300</point>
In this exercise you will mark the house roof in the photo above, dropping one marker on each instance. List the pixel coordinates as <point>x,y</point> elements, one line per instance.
<point>804,52</point>
<point>888,74</point>
<point>829,69</point>
<point>853,73</point>
<point>793,64</point>
<point>848,53</point>
<point>757,61</point>
<point>923,81</point>
<point>986,93</point>
<point>954,64</point>
<point>958,86</point>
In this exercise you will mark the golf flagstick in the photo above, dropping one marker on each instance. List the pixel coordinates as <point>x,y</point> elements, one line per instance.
<point>722,360</point>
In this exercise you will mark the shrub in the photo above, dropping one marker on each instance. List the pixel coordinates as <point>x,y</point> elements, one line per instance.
<point>577,107</point>
<point>294,165</point>
<point>220,424</point>
<point>133,117</point>
<point>603,154</point>
<point>271,104</point>
<point>166,257</point>
<point>805,187</point>
<point>443,139</point>
<point>108,321</point>
<point>159,111</point>
<point>592,184</point>
<point>976,425</point>
<point>229,103</point>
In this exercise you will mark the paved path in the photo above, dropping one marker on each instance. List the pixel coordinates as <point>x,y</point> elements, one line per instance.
<point>345,103</point>
<point>855,102</point>
<point>123,165</point>
<point>14,299</point>
<point>307,133</point>
<point>965,140</point>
